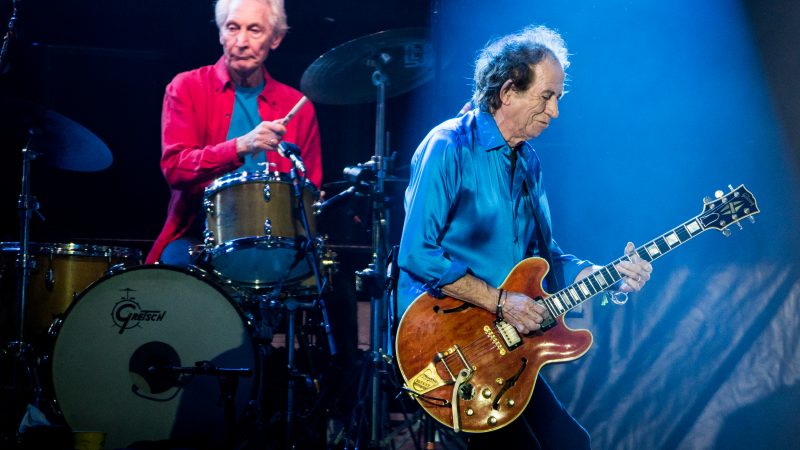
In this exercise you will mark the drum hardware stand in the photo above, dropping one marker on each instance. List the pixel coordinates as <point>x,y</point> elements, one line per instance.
<point>228,383</point>
<point>293,304</point>
<point>373,279</point>
<point>23,355</point>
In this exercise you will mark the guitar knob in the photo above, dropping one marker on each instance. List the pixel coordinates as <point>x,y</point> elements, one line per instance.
<point>491,420</point>
<point>470,411</point>
<point>487,393</point>
<point>510,402</point>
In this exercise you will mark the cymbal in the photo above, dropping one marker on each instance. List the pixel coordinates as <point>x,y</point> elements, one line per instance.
<point>344,75</point>
<point>63,143</point>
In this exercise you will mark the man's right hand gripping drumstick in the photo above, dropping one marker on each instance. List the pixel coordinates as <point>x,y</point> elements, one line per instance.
<point>267,135</point>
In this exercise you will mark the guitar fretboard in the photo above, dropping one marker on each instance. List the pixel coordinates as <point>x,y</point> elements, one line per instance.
<point>571,296</point>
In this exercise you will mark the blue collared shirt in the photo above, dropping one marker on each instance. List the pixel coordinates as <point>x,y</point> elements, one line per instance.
<point>466,213</point>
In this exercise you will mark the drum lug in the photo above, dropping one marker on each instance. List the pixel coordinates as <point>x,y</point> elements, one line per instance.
<point>50,278</point>
<point>267,227</point>
<point>267,193</point>
<point>208,238</point>
<point>209,206</point>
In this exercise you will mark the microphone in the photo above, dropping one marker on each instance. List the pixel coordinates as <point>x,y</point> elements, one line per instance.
<point>319,208</point>
<point>291,151</point>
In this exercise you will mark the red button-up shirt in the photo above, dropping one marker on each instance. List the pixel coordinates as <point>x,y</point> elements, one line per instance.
<point>195,118</point>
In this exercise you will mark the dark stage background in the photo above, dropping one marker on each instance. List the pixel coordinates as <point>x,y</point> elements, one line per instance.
<point>667,102</point>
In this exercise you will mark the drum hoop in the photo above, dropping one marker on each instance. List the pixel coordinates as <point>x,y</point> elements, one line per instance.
<point>246,243</point>
<point>192,270</point>
<point>72,249</point>
<point>259,176</point>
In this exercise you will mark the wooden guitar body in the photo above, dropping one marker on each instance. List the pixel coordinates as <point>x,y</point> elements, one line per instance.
<point>503,378</point>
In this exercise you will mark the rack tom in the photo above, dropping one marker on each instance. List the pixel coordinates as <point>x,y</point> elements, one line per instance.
<point>254,235</point>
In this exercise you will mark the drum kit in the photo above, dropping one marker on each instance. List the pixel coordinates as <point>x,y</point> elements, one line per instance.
<point>162,353</point>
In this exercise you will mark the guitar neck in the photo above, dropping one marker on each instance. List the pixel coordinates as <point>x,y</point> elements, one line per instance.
<point>570,297</point>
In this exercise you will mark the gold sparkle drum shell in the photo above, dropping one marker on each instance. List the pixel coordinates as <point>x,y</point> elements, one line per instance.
<point>254,234</point>
<point>59,271</point>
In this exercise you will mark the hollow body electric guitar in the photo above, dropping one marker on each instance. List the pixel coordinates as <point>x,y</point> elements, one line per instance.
<point>475,373</point>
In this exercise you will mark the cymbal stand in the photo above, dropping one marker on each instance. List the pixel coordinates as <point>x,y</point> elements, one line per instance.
<point>374,276</point>
<point>22,352</point>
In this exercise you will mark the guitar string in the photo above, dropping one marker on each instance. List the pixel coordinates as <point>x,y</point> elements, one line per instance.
<point>470,352</point>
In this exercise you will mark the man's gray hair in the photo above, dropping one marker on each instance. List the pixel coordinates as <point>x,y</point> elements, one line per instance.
<point>512,57</point>
<point>277,18</point>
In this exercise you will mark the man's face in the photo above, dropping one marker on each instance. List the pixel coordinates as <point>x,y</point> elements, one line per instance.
<point>247,37</point>
<point>525,114</point>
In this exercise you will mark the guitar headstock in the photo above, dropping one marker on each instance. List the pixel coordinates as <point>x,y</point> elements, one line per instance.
<point>726,209</point>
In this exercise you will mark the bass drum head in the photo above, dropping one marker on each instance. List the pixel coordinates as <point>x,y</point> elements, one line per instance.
<point>111,351</point>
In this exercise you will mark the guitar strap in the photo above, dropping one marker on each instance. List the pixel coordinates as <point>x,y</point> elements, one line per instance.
<point>555,276</point>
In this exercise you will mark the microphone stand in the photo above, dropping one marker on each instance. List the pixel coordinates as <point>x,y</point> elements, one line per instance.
<point>292,304</point>
<point>10,34</point>
<point>228,382</point>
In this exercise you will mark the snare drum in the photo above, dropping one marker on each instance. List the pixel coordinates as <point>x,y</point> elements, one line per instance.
<point>58,273</point>
<point>116,352</point>
<point>253,233</point>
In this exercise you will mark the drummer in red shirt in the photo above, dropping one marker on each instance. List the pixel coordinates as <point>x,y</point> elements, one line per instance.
<point>227,117</point>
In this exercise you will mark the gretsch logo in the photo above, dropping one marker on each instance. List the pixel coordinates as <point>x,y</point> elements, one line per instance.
<point>128,314</point>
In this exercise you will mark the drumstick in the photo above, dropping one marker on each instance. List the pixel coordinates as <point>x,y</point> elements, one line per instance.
<point>294,110</point>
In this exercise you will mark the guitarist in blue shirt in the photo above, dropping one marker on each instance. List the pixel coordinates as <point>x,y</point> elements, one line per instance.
<point>476,206</point>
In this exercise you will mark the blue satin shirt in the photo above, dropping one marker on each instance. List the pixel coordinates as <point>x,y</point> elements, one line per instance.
<point>465,213</point>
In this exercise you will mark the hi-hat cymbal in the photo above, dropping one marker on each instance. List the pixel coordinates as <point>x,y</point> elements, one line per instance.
<point>63,143</point>
<point>344,75</point>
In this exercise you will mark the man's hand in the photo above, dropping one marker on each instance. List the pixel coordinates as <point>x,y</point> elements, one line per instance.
<point>634,273</point>
<point>265,137</point>
<point>522,312</point>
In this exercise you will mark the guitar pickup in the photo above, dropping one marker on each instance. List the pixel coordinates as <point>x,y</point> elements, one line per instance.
<point>509,334</point>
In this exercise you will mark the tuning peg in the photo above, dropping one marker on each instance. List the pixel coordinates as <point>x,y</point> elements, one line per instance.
<point>752,219</point>
<point>730,187</point>
<point>726,232</point>
<point>706,199</point>
<point>739,225</point>
<point>718,193</point>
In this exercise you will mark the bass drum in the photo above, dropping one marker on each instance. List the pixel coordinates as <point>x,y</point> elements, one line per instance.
<point>117,352</point>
